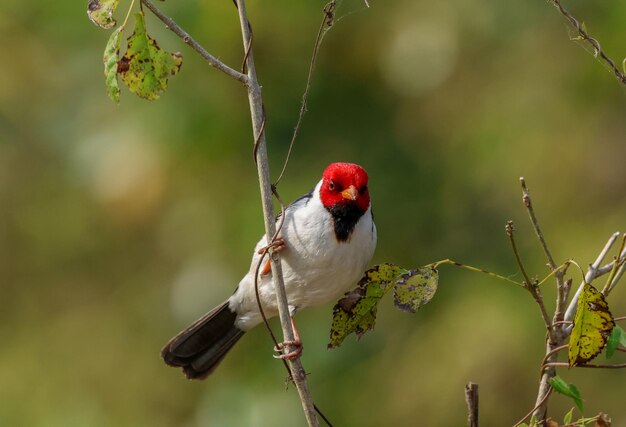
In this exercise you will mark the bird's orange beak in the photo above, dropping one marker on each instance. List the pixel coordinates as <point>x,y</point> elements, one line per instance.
<point>350,193</point>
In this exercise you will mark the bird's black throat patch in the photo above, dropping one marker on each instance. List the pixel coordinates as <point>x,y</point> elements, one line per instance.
<point>345,217</point>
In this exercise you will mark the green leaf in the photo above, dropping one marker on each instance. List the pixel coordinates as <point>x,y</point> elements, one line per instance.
<point>415,288</point>
<point>101,12</point>
<point>593,323</point>
<point>110,59</point>
<point>570,390</point>
<point>145,68</point>
<point>568,417</point>
<point>617,338</point>
<point>356,311</point>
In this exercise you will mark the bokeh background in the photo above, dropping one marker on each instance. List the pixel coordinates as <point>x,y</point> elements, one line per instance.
<point>120,224</point>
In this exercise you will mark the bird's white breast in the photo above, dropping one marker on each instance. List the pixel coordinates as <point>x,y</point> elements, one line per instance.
<point>317,268</point>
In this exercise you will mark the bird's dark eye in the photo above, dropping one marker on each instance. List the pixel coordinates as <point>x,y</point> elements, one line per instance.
<point>333,186</point>
<point>363,189</point>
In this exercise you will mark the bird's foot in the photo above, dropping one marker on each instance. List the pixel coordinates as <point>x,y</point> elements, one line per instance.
<point>296,344</point>
<point>278,245</point>
<point>293,354</point>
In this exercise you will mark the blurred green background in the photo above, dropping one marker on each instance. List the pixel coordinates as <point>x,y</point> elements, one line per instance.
<point>121,224</point>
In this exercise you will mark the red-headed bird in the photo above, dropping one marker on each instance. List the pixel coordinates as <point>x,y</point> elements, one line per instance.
<point>326,242</point>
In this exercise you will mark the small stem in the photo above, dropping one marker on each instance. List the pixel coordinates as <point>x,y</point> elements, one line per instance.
<point>530,285</point>
<point>616,279</point>
<point>565,364</point>
<point>533,218</point>
<point>176,29</point>
<point>471,399</point>
<point>327,22</point>
<point>474,269</point>
<point>582,32</point>
<point>616,266</point>
<point>509,232</point>
<point>545,397</point>
<point>130,9</point>
<point>550,353</point>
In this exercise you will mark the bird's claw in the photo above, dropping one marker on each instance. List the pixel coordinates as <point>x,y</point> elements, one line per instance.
<point>294,354</point>
<point>278,245</point>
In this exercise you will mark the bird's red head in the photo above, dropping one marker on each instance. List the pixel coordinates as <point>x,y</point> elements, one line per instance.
<point>343,184</point>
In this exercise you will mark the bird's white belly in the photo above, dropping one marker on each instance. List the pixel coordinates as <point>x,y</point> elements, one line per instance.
<point>317,268</point>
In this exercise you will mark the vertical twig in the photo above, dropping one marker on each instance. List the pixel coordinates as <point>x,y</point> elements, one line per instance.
<point>471,399</point>
<point>258,124</point>
<point>555,336</point>
<point>530,285</point>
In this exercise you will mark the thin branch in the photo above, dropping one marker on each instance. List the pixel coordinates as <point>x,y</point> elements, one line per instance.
<point>327,22</point>
<point>176,29</point>
<point>616,271</point>
<point>533,218</point>
<point>616,279</point>
<point>550,353</point>
<point>471,399</point>
<point>584,35</point>
<point>530,285</point>
<point>565,364</point>
<point>539,404</point>
<point>509,232</point>
<point>258,123</point>
<point>555,336</point>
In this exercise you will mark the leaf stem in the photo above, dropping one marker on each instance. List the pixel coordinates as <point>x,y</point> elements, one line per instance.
<point>616,266</point>
<point>132,3</point>
<point>471,268</point>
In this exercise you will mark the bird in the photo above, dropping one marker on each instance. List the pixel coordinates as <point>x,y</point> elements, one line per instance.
<point>326,242</point>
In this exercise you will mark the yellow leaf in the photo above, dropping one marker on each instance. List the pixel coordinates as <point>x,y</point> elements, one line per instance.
<point>593,324</point>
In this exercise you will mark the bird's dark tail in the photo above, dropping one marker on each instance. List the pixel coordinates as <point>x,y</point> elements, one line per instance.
<point>202,346</point>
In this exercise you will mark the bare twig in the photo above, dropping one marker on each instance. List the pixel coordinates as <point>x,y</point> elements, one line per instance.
<point>176,29</point>
<point>531,285</point>
<point>537,406</point>
<point>617,266</point>
<point>471,399</point>
<point>615,280</point>
<point>587,365</point>
<point>258,122</point>
<point>326,24</point>
<point>555,336</point>
<point>550,353</point>
<point>584,35</point>
<point>533,218</point>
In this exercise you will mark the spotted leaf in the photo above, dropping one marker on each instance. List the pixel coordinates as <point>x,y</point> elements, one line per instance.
<point>593,324</point>
<point>110,59</point>
<point>356,311</point>
<point>145,68</point>
<point>101,12</point>
<point>415,288</point>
